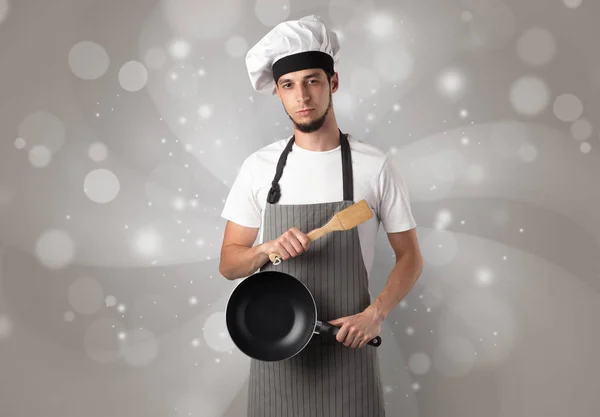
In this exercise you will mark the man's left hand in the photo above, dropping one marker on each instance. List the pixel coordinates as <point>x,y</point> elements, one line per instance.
<point>359,329</point>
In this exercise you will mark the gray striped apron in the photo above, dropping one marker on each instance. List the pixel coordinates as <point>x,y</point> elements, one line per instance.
<point>326,379</point>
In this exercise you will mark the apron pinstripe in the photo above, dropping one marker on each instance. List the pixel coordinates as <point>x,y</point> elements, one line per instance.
<point>326,379</point>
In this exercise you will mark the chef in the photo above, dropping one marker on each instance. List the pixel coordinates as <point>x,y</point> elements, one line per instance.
<point>295,185</point>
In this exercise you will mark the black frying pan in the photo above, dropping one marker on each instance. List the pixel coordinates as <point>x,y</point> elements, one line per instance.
<point>271,316</point>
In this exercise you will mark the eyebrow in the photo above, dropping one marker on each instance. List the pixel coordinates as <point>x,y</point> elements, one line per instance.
<point>287,80</point>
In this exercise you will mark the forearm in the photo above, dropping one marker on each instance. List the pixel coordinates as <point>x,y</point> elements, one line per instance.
<point>239,261</point>
<point>401,280</point>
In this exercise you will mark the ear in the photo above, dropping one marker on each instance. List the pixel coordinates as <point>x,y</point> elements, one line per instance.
<point>335,82</point>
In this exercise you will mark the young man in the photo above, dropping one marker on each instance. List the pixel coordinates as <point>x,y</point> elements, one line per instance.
<point>295,185</point>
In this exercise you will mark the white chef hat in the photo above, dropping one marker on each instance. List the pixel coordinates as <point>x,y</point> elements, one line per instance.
<point>291,46</point>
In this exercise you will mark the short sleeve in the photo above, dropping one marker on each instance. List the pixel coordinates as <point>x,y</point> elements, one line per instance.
<point>394,203</point>
<point>241,206</point>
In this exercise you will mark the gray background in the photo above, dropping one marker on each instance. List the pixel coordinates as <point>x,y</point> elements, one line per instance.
<point>123,124</point>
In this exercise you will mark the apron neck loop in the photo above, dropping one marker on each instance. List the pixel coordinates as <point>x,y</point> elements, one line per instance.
<point>275,192</point>
<point>347,168</point>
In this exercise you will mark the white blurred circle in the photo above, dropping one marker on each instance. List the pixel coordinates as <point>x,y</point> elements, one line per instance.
<point>393,63</point>
<point>529,95</point>
<point>97,151</point>
<point>492,24</point>
<point>85,295</point>
<point>439,247</point>
<point>179,49</point>
<point>236,46</point>
<point>164,181</point>
<point>451,83</point>
<point>158,311</point>
<point>443,219</point>
<point>146,242</point>
<point>585,147</point>
<point>155,58</point>
<point>182,81</point>
<point>110,301</point>
<point>101,185</point>
<point>573,4</point>
<point>507,137</point>
<point>195,19</point>
<point>20,143</point>
<point>380,24</point>
<point>446,166</point>
<point>42,128</point>
<point>40,156</point>
<point>6,327</point>
<point>527,152</point>
<point>272,12</point>
<point>454,357</point>
<point>55,249</point>
<point>536,46</point>
<point>419,363</point>
<point>484,276</point>
<point>205,111</point>
<point>347,12</point>
<point>568,107</point>
<point>216,334</point>
<point>101,340</point>
<point>345,103</point>
<point>432,295</point>
<point>362,81</point>
<point>582,129</point>
<point>466,16</point>
<point>479,312</point>
<point>88,60</point>
<point>69,316</point>
<point>139,348</point>
<point>133,76</point>
<point>474,174</point>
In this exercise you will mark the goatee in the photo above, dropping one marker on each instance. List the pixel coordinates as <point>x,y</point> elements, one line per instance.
<point>314,125</point>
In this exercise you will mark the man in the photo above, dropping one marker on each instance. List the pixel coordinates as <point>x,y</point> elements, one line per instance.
<point>293,186</point>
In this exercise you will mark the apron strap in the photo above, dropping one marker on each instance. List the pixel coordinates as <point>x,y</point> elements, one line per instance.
<point>275,192</point>
<point>347,168</point>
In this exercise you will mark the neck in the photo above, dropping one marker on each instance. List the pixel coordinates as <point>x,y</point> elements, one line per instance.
<point>324,139</point>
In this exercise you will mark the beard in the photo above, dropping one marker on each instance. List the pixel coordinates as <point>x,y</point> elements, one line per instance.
<point>313,125</point>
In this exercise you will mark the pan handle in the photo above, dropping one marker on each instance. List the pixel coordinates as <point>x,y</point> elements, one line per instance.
<point>332,330</point>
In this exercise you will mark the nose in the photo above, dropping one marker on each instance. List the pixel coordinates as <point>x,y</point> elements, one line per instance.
<point>302,94</point>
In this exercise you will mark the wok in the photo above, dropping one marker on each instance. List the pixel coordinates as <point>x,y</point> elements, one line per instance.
<point>272,316</point>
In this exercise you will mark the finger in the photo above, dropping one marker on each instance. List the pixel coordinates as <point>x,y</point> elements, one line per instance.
<point>363,343</point>
<point>302,239</point>
<point>341,335</point>
<point>350,337</point>
<point>337,322</point>
<point>357,341</point>
<point>296,244</point>
<point>285,255</point>
<point>289,248</point>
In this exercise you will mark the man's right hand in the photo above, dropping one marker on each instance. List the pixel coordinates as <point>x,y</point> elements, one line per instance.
<point>290,244</point>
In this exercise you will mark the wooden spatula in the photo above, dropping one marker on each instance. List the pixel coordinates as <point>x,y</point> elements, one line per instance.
<point>343,220</point>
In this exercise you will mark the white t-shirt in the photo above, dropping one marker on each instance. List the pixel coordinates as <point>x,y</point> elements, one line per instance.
<point>316,177</point>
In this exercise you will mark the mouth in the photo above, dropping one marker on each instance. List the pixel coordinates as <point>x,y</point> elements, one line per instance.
<point>305,112</point>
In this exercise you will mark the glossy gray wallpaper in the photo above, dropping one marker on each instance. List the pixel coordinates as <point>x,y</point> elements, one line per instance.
<point>124,123</point>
